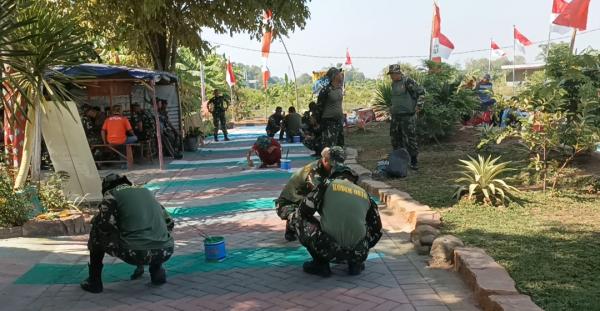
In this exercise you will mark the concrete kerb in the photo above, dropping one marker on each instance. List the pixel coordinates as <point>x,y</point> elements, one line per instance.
<point>493,287</point>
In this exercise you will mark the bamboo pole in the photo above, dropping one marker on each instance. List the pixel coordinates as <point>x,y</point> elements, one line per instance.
<point>161,160</point>
<point>431,33</point>
<point>514,59</point>
<point>573,40</point>
<point>293,71</point>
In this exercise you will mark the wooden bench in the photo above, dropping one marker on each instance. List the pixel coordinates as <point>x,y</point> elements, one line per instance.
<point>124,158</point>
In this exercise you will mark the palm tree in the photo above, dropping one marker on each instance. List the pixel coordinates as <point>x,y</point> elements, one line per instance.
<point>48,39</point>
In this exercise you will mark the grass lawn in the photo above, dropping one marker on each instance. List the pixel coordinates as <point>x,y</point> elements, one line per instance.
<point>550,244</point>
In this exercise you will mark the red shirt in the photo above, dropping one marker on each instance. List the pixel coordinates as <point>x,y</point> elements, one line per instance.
<point>116,128</point>
<point>266,157</point>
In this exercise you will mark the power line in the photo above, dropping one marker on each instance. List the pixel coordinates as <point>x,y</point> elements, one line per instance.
<point>387,57</point>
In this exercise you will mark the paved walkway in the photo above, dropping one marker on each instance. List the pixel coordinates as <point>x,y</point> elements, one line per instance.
<point>223,197</point>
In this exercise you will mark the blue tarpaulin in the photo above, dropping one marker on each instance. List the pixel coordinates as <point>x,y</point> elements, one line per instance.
<point>101,71</point>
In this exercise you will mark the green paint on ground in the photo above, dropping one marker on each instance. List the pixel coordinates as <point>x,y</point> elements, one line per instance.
<point>227,208</point>
<point>228,163</point>
<point>265,175</point>
<point>222,208</point>
<point>248,258</point>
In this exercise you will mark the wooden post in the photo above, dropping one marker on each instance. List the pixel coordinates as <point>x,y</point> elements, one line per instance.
<point>158,130</point>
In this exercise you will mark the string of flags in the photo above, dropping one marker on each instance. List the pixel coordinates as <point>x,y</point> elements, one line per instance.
<point>565,16</point>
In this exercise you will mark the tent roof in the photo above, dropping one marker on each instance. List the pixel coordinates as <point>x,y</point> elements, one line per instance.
<point>101,71</point>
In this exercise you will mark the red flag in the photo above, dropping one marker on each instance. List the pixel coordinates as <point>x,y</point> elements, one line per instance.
<point>575,15</point>
<point>522,41</point>
<point>497,50</point>
<point>230,76</point>
<point>348,58</point>
<point>441,46</point>
<point>558,6</point>
<point>266,44</point>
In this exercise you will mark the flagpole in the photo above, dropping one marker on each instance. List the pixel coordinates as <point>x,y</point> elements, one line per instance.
<point>549,38</point>
<point>431,34</point>
<point>490,60</point>
<point>514,58</point>
<point>293,71</point>
<point>573,40</point>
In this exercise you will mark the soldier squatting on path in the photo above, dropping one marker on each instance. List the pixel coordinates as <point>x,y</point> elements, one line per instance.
<point>302,182</point>
<point>349,223</point>
<point>132,226</point>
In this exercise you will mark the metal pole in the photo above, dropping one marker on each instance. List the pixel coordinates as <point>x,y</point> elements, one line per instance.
<point>573,40</point>
<point>490,60</point>
<point>514,58</point>
<point>161,160</point>
<point>293,71</point>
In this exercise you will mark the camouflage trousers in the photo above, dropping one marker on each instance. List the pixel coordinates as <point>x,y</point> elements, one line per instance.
<point>98,245</point>
<point>332,133</point>
<point>285,208</point>
<point>219,118</point>
<point>323,247</point>
<point>403,131</point>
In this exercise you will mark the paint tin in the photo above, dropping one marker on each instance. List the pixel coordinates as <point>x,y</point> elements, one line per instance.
<point>214,249</point>
<point>286,164</point>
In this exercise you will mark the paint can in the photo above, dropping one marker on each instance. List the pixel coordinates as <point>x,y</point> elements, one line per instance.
<point>214,249</point>
<point>296,139</point>
<point>286,164</point>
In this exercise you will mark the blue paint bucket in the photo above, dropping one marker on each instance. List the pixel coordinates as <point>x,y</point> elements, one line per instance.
<point>214,249</point>
<point>286,164</point>
<point>296,139</point>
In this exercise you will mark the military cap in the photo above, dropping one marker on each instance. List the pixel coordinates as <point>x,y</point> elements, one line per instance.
<point>341,170</point>
<point>395,68</point>
<point>111,181</point>
<point>337,154</point>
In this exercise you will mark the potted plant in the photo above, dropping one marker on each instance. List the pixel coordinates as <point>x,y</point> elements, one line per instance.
<point>192,137</point>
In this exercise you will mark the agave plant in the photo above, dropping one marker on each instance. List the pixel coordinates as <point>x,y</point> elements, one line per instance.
<point>480,180</point>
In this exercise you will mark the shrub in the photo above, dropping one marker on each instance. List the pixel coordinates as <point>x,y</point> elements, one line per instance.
<point>480,180</point>
<point>52,195</point>
<point>15,206</point>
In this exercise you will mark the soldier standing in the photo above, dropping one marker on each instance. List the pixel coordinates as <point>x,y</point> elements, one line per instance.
<point>304,181</point>
<point>406,103</point>
<point>217,106</point>
<point>349,225</point>
<point>330,114</point>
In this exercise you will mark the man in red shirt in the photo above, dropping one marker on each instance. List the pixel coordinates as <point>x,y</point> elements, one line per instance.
<point>116,129</point>
<point>268,151</point>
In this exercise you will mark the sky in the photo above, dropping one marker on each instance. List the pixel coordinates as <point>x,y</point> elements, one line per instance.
<point>394,28</point>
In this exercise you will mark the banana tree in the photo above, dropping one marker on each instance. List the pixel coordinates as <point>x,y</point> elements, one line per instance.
<point>53,39</point>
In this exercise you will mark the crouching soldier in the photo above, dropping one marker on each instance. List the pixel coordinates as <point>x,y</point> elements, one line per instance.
<point>302,182</point>
<point>131,226</point>
<point>348,227</point>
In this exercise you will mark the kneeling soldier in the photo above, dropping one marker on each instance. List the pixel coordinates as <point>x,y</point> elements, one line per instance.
<point>303,181</point>
<point>132,226</point>
<point>348,227</point>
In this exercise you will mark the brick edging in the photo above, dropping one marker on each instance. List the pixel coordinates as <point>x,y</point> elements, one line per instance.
<point>492,286</point>
<point>72,225</point>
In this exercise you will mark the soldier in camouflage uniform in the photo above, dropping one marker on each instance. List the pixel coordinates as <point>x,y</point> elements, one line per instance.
<point>217,107</point>
<point>304,181</point>
<point>348,227</point>
<point>406,103</point>
<point>330,114</point>
<point>131,225</point>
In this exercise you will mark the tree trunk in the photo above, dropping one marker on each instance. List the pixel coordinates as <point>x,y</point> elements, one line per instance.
<point>21,177</point>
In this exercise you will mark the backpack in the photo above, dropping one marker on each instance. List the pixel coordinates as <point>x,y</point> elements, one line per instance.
<point>399,160</point>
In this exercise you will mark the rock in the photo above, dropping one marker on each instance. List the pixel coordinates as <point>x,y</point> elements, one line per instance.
<point>36,227</point>
<point>427,239</point>
<point>442,249</point>
<point>423,249</point>
<point>510,303</point>
<point>433,219</point>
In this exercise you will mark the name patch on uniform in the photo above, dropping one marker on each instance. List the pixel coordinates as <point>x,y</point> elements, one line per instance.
<point>357,192</point>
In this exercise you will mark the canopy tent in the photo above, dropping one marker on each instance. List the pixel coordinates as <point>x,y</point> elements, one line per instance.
<point>112,82</point>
